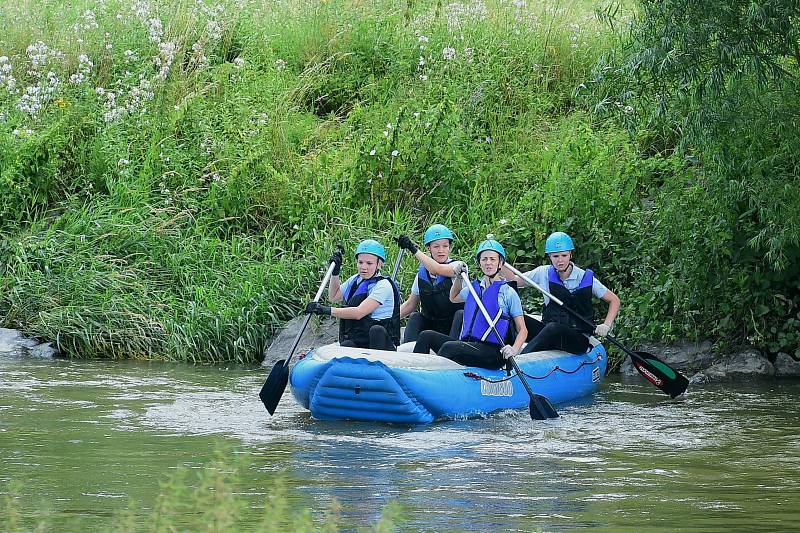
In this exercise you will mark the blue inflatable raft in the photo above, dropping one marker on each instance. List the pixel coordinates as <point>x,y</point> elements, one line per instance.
<point>337,383</point>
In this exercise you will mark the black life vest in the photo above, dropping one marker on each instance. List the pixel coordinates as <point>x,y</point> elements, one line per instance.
<point>579,301</point>
<point>434,297</point>
<point>358,330</point>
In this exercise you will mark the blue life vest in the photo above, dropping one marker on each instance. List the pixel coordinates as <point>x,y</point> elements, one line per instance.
<point>579,301</point>
<point>475,327</point>
<point>358,330</point>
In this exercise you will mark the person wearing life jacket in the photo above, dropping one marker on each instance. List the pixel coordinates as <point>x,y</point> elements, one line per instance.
<point>371,315</point>
<point>574,286</point>
<point>477,344</point>
<point>431,287</point>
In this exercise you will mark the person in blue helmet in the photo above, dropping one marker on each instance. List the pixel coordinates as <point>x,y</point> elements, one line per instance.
<point>371,315</point>
<point>431,288</point>
<point>477,344</point>
<point>574,286</point>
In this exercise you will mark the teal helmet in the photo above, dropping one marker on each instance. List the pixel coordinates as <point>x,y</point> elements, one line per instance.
<point>558,242</point>
<point>371,246</point>
<point>436,232</point>
<point>493,245</point>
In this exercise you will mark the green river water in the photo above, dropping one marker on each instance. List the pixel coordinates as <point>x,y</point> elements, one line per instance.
<point>80,440</point>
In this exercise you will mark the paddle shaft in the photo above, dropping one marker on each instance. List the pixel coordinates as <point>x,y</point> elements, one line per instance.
<point>397,264</point>
<point>317,296</point>
<point>479,303</point>
<point>532,283</point>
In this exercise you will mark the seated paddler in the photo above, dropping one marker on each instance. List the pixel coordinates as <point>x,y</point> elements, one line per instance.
<point>370,317</point>
<point>576,288</point>
<point>477,343</point>
<point>431,288</point>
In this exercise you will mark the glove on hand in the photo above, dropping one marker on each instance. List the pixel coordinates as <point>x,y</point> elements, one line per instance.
<point>336,259</point>
<point>508,351</point>
<point>405,243</point>
<point>602,330</point>
<point>316,308</point>
<point>459,267</point>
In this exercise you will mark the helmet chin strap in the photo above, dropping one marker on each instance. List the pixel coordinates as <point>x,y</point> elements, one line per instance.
<point>569,266</point>
<point>496,272</point>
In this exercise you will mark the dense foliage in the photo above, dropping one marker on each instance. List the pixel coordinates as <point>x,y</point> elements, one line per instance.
<point>172,176</point>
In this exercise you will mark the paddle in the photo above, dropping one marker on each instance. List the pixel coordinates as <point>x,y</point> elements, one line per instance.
<point>397,266</point>
<point>540,407</point>
<point>278,377</point>
<point>651,367</point>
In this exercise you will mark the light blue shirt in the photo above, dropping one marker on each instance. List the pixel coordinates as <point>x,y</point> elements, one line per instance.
<point>381,292</point>
<point>573,281</point>
<point>507,299</point>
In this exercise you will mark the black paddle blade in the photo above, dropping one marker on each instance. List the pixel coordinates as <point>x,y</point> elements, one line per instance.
<point>273,388</point>
<point>541,408</point>
<point>660,374</point>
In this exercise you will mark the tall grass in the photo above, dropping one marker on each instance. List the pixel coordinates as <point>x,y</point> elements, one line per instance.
<point>211,498</point>
<point>173,175</point>
<point>187,215</point>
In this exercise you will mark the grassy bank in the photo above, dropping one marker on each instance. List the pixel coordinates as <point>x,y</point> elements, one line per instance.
<point>173,175</point>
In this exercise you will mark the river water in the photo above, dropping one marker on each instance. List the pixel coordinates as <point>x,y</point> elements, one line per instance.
<point>82,439</point>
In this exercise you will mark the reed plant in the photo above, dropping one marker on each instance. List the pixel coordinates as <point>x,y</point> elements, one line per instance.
<point>211,498</point>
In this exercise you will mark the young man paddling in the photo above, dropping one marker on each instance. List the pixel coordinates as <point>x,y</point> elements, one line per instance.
<point>371,316</point>
<point>574,286</point>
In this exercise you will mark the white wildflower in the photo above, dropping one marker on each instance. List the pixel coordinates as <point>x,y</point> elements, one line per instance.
<point>449,53</point>
<point>239,62</point>
<point>372,152</point>
<point>395,153</point>
<point>280,64</point>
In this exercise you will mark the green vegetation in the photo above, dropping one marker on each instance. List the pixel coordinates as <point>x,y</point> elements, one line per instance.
<point>208,499</point>
<point>173,188</point>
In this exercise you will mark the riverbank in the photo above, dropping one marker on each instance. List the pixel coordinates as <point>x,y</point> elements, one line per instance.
<point>173,176</point>
<point>697,360</point>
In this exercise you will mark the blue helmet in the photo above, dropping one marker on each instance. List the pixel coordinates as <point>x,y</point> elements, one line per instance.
<point>493,245</point>
<point>436,232</point>
<point>558,242</point>
<point>371,246</point>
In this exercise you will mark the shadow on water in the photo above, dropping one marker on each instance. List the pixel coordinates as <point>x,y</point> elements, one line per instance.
<point>91,435</point>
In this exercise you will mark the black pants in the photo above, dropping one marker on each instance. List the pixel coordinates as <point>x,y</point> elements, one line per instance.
<point>378,340</point>
<point>417,323</point>
<point>554,336</point>
<point>481,354</point>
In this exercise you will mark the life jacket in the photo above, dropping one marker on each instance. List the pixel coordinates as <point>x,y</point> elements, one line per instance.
<point>358,330</point>
<point>475,327</point>
<point>579,301</point>
<point>434,296</point>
